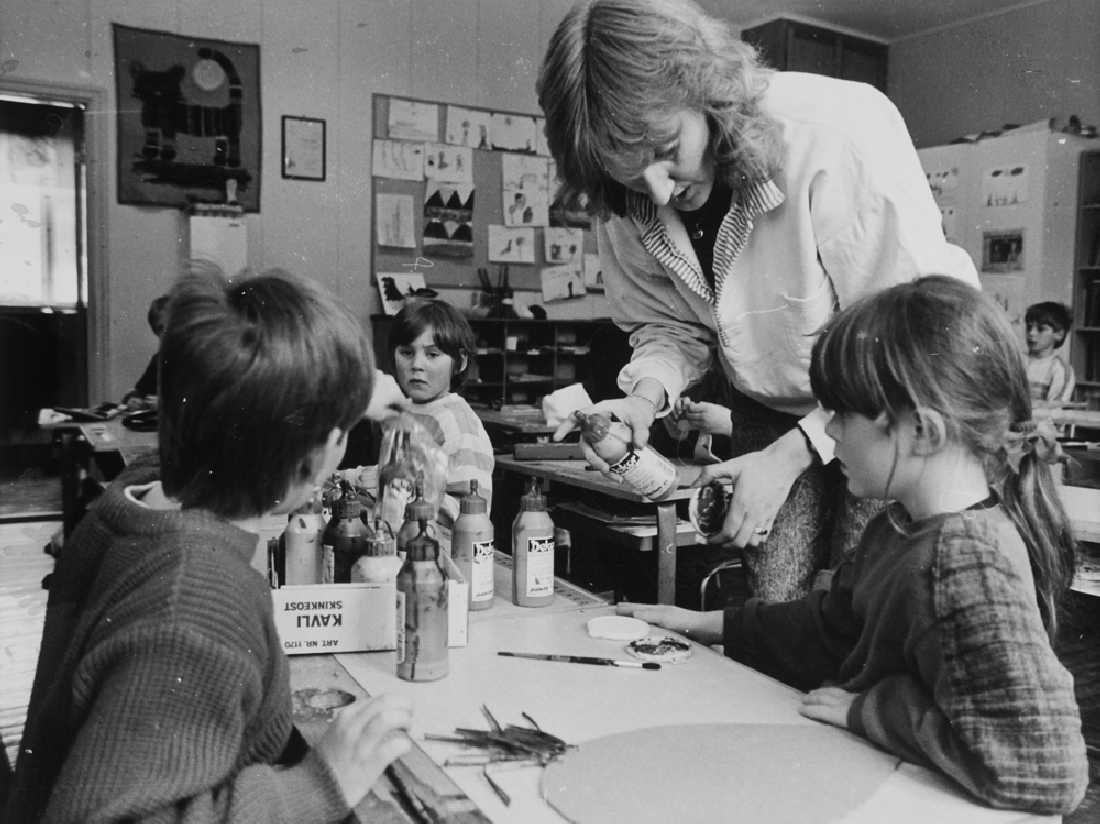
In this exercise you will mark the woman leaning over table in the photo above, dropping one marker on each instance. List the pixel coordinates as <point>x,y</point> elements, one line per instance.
<point>737,209</point>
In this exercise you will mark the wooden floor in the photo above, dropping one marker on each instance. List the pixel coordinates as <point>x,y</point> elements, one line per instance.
<point>23,603</point>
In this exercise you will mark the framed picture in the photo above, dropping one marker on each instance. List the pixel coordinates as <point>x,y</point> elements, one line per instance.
<point>1003,251</point>
<point>188,119</point>
<point>303,148</point>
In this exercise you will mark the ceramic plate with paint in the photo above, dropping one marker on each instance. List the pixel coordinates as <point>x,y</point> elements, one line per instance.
<point>618,628</point>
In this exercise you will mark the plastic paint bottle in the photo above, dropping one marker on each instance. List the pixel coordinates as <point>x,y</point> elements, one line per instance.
<point>422,611</point>
<point>418,509</point>
<point>303,558</point>
<point>472,547</point>
<point>533,551</point>
<point>647,471</point>
<point>343,540</point>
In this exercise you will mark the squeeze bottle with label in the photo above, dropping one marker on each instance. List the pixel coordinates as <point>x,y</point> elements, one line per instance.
<point>472,547</point>
<point>422,611</point>
<point>396,480</point>
<point>648,472</point>
<point>532,551</point>
<point>379,564</point>
<point>344,540</point>
<point>303,558</point>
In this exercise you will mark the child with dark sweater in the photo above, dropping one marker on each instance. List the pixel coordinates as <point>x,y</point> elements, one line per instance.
<point>162,691</point>
<point>934,639</point>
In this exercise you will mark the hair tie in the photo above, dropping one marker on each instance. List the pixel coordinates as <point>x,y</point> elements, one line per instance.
<point>1032,437</point>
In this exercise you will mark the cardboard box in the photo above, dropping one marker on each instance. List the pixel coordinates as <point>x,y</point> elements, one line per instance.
<point>326,618</point>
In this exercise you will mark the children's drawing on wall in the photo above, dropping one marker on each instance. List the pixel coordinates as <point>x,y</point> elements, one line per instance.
<point>448,212</point>
<point>468,127</point>
<point>509,244</point>
<point>188,119</point>
<point>394,287</point>
<point>448,164</point>
<point>563,246</point>
<point>593,273</point>
<point>393,220</point>
<point>565,211</point>
<point>1003,251</point>
<point>397,160</point>
<point>1008,292</point>
<point>512,132</point>
<point>1005,186</point>
<point>413,120</point>
<point>562,283</point>
<point>524,193</point>
<point>949,219</point>
<point>943,182</point>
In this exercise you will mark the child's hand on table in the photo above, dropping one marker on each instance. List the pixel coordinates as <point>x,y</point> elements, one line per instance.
<point>703,627</point>
<point>828,704</point>
<point>362,741</point>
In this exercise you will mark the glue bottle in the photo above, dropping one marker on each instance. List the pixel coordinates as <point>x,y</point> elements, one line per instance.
<point>648,472</point>
<point>422,610</point>
<point>532,551</point>
<point>472,547</point>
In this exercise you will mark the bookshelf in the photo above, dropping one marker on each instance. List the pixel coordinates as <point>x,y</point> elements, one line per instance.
<point>1085,348</point>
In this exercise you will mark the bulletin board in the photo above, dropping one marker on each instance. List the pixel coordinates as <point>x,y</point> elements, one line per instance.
<point>428,158</point>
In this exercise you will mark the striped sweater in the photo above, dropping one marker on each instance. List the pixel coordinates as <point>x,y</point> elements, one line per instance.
<point>459,432</point>
<point>162,692</point>
<point>938,634</point>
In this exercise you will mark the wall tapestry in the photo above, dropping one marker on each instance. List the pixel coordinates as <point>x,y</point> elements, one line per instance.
<point>188,119</point>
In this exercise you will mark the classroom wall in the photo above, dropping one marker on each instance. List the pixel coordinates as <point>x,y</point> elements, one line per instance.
<point>1033,62</point>
<point>322,58</point>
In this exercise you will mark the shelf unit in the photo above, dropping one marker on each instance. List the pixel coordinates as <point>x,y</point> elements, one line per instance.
<point>1085,346</point>
<point>519,360</point>
<point>791,45</point>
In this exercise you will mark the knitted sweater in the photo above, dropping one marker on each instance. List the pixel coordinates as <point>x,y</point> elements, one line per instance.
<point>459,432</point>
<point>162,692</point>
<point>939,635</point>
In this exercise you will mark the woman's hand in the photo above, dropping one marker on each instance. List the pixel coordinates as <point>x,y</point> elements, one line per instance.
<point>362,741</point>
<point>761,483</point>
<point>704,416</point>
<point>704,627</point>
<point>828,704</point>
<point>635,412</point>
<point>387,399</point>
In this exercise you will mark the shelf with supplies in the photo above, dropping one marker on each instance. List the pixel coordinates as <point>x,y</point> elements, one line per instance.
<point>519,360</point>
<point>1085,345</point>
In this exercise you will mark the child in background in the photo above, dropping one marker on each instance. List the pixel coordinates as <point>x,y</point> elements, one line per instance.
<point>1049,378</point>
<point>433,347</point>
<point>162,690</point>
<point>934,640</point>
<point>144,392</point>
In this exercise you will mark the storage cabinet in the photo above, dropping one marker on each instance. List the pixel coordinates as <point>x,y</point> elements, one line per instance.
<point>794,46</point>
<point>1085,348</point>
<point>519,360</point>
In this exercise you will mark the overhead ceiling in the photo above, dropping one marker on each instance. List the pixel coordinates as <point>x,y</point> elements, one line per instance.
<point>882,19</point>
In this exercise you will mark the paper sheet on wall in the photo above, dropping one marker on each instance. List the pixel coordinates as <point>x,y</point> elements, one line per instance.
<point>220,240</point>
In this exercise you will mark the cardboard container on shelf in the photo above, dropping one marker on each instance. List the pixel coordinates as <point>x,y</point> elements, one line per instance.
<point>326,618</point>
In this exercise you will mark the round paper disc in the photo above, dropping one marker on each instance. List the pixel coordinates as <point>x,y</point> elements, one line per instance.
<point>779,773</point>
<point>617,628</point>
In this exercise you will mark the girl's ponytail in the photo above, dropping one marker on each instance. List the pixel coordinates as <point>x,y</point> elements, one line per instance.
<point>1030,496</point>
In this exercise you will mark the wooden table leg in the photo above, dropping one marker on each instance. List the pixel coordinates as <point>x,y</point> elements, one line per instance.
<point>666,553</point>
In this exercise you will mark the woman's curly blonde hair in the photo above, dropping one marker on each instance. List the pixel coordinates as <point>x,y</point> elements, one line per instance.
<point>615,69</point>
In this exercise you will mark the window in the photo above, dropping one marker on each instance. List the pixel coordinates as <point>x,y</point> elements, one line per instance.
<point>41,204</point>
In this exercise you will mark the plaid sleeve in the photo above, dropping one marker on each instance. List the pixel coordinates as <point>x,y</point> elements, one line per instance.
<point>989,704</point>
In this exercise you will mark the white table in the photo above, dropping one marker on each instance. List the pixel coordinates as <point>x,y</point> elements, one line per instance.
<point>579,702</point>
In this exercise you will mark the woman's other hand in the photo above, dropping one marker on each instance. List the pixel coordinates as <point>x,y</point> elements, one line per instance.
<point>362,741</point>
<point>828,704</point>
<point>704,627</point>
<point>704,416</point>
<point>761,483</point>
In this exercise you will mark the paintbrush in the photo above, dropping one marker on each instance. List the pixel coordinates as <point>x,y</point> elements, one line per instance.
<point>582,659</point>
